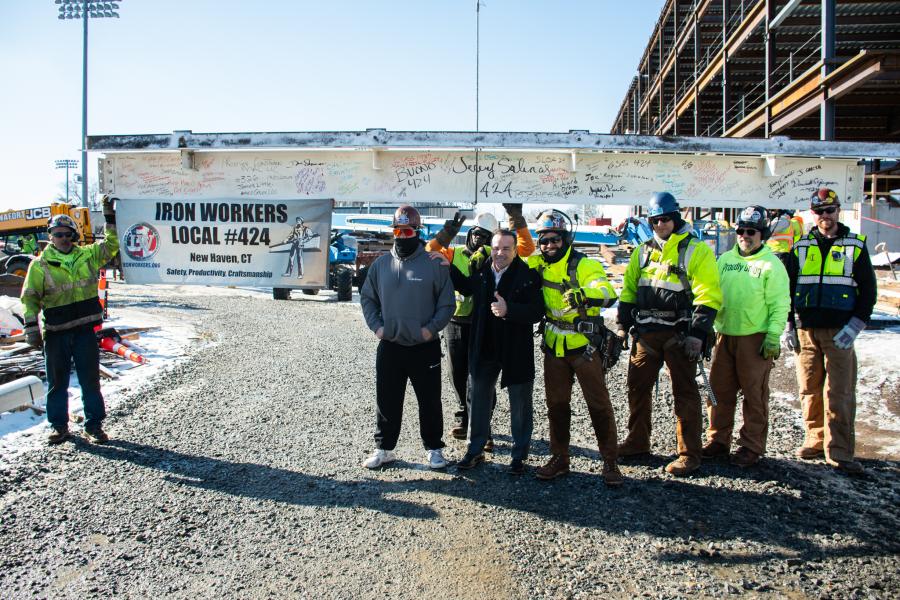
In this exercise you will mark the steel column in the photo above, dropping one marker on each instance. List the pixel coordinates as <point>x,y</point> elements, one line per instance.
<point>826,126</point>
<point>769,39</point>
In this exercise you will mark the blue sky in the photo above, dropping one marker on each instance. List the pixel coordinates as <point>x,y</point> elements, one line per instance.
<point>230,65</point>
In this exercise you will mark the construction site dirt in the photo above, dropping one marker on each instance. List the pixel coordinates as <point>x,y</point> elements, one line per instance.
<point>235,473</point>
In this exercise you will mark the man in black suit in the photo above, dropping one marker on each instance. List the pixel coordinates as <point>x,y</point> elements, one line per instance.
<point>507,301</point>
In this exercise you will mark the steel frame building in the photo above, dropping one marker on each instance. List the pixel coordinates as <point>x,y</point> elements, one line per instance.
<point>806,69</point>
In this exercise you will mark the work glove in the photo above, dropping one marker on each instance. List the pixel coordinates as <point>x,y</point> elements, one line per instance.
<point>770,349</point>
<point>109,211</point>
<point>451,227</point>
<point>790,338</point>
<point>34,339</point>
<point>845,337</point>
<point>477,259</point>
<point>574,298</point>
<point>516,219</point>
<point>693,347</point>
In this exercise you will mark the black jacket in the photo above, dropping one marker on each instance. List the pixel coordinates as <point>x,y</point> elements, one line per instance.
<point>510,340</point>
<point>863,274</point>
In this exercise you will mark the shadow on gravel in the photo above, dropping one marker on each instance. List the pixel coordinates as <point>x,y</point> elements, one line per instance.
<point>259,481</point>
<point>793,510</point>
<point>695,513</point>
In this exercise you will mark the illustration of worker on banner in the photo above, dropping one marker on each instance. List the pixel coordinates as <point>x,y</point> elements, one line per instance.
<point>299,238</point>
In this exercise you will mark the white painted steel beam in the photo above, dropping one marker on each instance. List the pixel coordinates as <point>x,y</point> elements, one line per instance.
<point>580,141</point>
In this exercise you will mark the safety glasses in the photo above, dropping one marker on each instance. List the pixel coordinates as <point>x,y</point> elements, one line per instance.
<point>62,234</point>
<point>658,220</point>
<point>827,210</point>
<point>550,239</point>
<point>404,232</point>
<point>749,231</point>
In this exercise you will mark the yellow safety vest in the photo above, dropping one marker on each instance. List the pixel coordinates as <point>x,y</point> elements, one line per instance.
<point>827,283</point>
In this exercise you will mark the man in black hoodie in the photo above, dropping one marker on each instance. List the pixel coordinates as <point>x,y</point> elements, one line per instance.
<point>507,302</point>
<point>833,290</point>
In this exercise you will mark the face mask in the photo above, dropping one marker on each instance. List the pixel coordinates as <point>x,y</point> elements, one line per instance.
<point>474,241</point>
<point>406,246</point>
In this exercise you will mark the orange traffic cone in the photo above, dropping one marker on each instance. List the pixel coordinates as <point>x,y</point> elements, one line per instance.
<point>103,292</point>
<point>110,345</point>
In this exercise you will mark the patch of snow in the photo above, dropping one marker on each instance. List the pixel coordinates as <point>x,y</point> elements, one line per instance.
<point>165,346</point>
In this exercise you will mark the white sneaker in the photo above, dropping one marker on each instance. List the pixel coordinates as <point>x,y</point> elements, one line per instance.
<point>380,457</point>
<point>436,459</point>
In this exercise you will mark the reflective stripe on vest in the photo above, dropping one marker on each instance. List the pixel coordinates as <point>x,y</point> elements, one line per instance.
<point>682,286</point>
<point>827,282</point>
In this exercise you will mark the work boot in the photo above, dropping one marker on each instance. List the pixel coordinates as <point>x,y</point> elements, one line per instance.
<point>459,431</point>
<point>714,449</point>
<point>683,465</point>
<point>630,448</point>
<point>850,467</point>
<point>58,436</point>
<point>744,457</point>
<point>612,476</point>
<point>96,436</point>
<point>557,466</point>
<point>807,453</point>
<point>516,467</point>
<point>470,460</point>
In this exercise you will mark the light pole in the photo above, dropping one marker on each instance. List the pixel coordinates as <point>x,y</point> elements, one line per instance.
<point>66,164</point>
<point>85,10</point>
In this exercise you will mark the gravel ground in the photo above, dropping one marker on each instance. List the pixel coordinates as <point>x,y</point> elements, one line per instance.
<point>236,474</point>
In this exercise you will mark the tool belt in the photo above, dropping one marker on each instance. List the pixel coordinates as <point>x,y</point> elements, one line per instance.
<point>587,327</point>
<point>662,314</point>
<point>600,339</point>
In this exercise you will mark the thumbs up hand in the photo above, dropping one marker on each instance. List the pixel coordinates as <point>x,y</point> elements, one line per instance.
<point>498,307</point>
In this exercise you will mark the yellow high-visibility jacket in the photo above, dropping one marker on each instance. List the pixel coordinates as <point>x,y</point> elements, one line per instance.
<point>676,285</point>
<point>64,286</point>
<point>590,276</point>
<point>756,294</point>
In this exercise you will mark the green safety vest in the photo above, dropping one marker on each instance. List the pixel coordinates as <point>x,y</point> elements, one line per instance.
<point>464,304</point>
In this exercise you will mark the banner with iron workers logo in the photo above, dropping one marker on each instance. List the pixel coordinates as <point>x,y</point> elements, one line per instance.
<point>260,243</point>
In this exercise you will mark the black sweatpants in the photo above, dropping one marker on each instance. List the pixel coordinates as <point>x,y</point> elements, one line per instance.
<point>421,365</point>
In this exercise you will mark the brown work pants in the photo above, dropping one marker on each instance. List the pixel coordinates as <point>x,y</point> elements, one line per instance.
<point>826,376</point>
<point>647,358</point>
<point>737,365</point>
<point>559,376</point>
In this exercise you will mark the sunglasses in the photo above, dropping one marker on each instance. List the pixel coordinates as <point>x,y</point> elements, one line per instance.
<point>748,231</point>
<point>550,239</point>
<point>405,232</point>
<point>62,234</point>
<point>828,210</point>
<point>658,220</point>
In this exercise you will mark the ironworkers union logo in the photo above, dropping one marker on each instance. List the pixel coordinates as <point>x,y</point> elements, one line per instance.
<point>141,241</point>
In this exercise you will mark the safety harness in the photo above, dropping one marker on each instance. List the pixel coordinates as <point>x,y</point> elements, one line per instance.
<point>592,327</point>
<point>667,317</point>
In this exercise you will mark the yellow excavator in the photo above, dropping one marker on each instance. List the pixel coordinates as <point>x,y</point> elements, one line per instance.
<point>23,234</point>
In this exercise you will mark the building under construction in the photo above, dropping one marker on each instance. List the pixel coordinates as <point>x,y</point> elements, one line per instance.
<point>806,69</point>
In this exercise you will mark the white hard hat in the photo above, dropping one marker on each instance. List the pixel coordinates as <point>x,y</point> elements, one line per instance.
<point>487,221</point>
